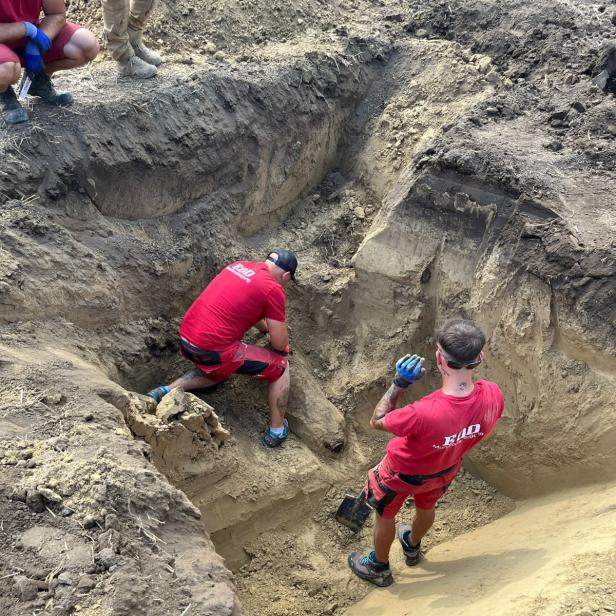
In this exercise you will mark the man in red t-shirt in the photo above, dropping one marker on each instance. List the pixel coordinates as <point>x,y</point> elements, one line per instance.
<point>43,45</point>
<point>431,436</point>
<point>243,295</point>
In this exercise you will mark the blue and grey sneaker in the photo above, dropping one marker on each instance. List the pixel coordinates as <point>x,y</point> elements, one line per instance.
<point>159,392</point>
<point>412,555</point>
<point>369,569</point>
<point>270,440</point>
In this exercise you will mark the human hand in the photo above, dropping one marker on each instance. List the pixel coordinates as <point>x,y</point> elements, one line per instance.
<point>38,37</point>
<point>33,59</point>
<point>408,370</point>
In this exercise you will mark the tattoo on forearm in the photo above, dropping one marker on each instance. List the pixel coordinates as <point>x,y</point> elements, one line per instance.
<point>388,402</point>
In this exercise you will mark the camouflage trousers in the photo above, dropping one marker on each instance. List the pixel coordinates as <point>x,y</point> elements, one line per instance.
<point>124,21</point>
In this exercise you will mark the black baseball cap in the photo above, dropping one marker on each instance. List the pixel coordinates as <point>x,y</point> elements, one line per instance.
<point>284,259</point>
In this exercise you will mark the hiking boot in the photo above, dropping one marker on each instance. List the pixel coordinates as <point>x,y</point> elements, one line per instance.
<point>369,569</point>
<point>143,52</point>
<point>412,555</point>
<point>137,68</point>
<point>158,393</point>
<point>270,440</point>
<point>43,88</point>
<point>14,113</point>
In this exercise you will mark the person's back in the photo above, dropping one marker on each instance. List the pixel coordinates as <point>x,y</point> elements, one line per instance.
<point>241,295</point>
<point>435,432</point>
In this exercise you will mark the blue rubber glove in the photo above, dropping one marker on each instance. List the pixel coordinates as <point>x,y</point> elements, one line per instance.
<point>33,59</point>
<point>408,370</point>
<point>38,37</point>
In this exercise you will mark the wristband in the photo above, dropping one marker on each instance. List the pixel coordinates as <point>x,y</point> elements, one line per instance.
<point>400,382</point>
<point>31,29</point>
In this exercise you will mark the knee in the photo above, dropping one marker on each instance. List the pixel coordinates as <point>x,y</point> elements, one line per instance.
<point>9,73</point>
<point>92,49</point>
<point>89,47</point>
<point>86,47</point>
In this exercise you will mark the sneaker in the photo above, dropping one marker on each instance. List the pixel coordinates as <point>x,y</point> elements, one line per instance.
<point>143,52</point>
<point>14,113</point>
<point>270,440</point>
<point>43,88</point>
<point>369,569</point>
<point>137,68</point>
<point>158,393</point>
<point>412,555</point>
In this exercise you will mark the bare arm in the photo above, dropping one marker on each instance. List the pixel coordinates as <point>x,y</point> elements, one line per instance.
<point>55,17</point>
<point>12,32</point>
<point>386,404</point>
<point>262,326</point>
<point>279,339</point>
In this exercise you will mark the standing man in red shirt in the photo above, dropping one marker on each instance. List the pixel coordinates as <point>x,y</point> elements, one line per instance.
<point>432,436</point>
<point>243,295</point>
<point>43,46</point>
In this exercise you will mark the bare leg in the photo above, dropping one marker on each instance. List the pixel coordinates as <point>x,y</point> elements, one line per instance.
<point>383,536</point>
<point>423,520</point>
<point>278,399</point>
<point>80,49</point>
<point>9,74</point>
<point>193,379</point>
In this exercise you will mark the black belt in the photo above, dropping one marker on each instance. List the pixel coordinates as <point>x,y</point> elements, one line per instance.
<point>417,480</point>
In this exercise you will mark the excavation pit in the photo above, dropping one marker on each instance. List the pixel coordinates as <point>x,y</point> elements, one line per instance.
<point>417,179</point>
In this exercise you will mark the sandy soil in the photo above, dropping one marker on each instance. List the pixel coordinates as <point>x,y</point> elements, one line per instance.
<point>440,159</point>
<point>517,565</point>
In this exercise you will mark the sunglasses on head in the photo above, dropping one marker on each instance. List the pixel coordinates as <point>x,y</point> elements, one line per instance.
<point>458,365</point>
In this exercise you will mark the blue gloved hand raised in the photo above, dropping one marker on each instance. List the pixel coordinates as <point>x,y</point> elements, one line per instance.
<point>33,59</point>
<point>38,37</point>
<point>408,370</point>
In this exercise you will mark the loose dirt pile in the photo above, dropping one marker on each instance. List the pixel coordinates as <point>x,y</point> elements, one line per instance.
<point>442,159</point>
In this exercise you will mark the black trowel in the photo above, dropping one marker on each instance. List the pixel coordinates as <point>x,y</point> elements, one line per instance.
<point>354,511</point>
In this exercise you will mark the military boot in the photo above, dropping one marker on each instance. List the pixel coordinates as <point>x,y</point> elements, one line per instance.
<point>43,88</point>
<point>141,51</point>
<point>13,112</point>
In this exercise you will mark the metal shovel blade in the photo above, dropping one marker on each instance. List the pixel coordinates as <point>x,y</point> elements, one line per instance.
<point>353,511</point>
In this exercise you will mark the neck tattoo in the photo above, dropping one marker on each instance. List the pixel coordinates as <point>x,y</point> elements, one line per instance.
<point>463,386</point>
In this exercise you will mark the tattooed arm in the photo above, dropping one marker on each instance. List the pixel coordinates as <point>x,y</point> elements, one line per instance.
<point>386,404</point>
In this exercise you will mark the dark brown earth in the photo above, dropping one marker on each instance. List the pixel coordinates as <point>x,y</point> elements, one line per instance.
<point>432,160</point>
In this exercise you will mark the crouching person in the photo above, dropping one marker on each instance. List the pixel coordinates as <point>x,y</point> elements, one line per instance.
<point>245,294</point>
<point>42,44</point>
<point>432,436</point>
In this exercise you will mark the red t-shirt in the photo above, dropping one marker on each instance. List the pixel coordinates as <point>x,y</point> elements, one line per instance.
<point>241,295</point>
<point>20,10</point>
<point>12,11</point>
<point>435,432</point>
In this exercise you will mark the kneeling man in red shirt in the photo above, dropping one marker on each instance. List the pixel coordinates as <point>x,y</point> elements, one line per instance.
<point>431,437</point>
<point>245,294</point>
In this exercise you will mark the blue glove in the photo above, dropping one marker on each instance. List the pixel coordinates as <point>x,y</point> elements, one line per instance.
<point>33,59</point>
<point>38,37</point>
<point>408,370</point>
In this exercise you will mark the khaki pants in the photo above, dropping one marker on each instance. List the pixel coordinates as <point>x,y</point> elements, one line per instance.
<point>124,20</point>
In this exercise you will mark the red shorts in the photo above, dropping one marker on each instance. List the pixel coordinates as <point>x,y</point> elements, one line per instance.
<point>11,52</point>
<point>240,358</point>
<point>388,492</point>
